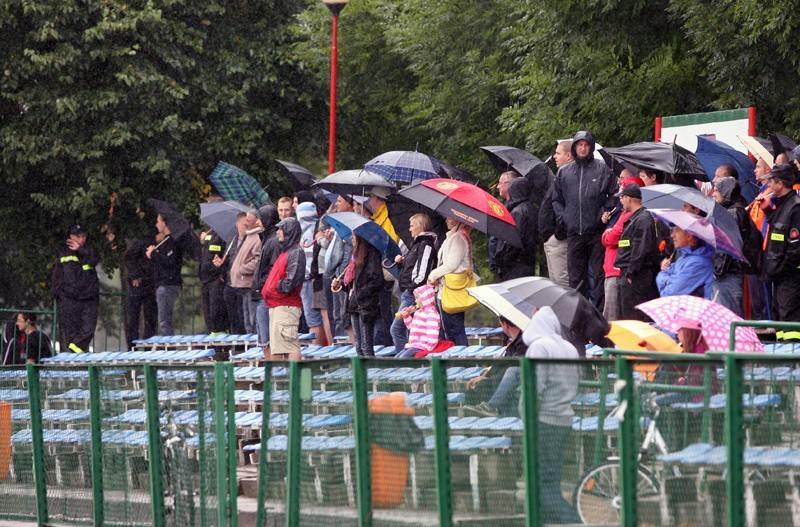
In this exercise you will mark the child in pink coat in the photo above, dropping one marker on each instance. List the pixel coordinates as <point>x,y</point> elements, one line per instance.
<point>422,321</point>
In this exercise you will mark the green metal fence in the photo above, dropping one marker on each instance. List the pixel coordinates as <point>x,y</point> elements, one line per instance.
<point>644,439</point>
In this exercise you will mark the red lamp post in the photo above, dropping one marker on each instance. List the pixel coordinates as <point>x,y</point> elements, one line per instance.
<point>335,7</point>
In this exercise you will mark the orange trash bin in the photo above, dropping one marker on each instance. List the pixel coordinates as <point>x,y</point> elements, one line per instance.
<point>389,468</point>
<point>5,439</point>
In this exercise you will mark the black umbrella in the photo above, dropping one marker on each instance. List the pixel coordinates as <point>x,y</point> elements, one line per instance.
<point>505,158</point>
<point>300,177</point>
<point>401,209</point>
<point>459,174</point>
<point>179,227</point>
<point>781,143</point>
<point>616,165</point>
<point>665,157</point>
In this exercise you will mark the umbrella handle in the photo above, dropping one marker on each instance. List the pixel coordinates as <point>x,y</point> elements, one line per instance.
<point>339,280</point>
<point>305,245</point>
<point>383,264</point>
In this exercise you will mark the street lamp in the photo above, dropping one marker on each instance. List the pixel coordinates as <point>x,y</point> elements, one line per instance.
<point>335,7</point>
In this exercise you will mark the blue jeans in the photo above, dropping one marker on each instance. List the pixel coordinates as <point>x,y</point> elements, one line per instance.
<point>506,395</point>
<point>552,445</point>
<point>363,333</point>
<point>729,292</point>
<point>313,316</point>
<point>262,323</point>
<point>407,353</point>
<point>453,326</point>
<point>398,330</point>
<point>166,295</point>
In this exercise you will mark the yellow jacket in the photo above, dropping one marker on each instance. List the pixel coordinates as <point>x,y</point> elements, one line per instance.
<point>381,217</point>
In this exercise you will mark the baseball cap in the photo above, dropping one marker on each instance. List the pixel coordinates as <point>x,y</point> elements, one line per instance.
<point>782,173</point>
<point>632,191</point>
<point>77,229</point>
<point>381,192</point>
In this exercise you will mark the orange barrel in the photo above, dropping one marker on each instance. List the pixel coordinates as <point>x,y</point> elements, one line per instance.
<point>5,439</point>
<point>389,469</point>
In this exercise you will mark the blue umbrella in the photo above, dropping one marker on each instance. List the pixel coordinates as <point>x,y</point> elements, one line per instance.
<point>345,223</point>
<point>404,166</point>
<point>712,153</point>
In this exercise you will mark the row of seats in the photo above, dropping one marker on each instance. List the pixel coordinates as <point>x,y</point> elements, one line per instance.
<point>456,373</point>
<point>706,454</point>
<point>328,443</point>
<point>334,397</point>
<point>115,357</point>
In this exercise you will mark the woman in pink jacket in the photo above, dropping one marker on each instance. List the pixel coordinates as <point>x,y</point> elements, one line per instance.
<point>422,321</point>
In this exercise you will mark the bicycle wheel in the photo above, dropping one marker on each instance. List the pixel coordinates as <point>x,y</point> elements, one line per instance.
<point>598,497</point>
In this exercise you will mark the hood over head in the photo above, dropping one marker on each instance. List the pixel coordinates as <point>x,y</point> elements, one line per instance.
<point>291,231</point>
<point>425,295</point>
<point>519,191</point>
<point>307,215</point>
<point>583,136</point>
<point>729,188</point>
<point>544,323</point>
<point>269,218</point>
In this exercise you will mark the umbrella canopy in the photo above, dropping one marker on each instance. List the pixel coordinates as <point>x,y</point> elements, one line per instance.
<point>515,300</point>
<point>401,209</point>
<point>616,165</point>
<point>505,158</point>
<point>702,228</point>
<point>459,174</point>
<point>781,143</point>
<point>665,157</point>
<point>221,216</point>
<point>668,196</point>
<point>404,166</point>
<point>759,147</point>
<point>179,227</point>
<point>234,184</point>
<point>345,223</point>
<point>358,182</point>
<point>713,153</point>
<point>637,335</point>
<point>716,321</point>
<point>300,177</point>
<point>465,203</point>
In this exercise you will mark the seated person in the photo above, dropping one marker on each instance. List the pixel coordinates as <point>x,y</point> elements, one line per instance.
<point>690,271</point>
<point>422,320</point>
<point>29,345</point>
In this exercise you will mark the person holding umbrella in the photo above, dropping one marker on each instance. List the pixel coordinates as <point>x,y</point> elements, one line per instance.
<point>364,297</point>
<point>455,256</point>
<point>212,278</point>
<point>583,190</point>
<point>690,271</point>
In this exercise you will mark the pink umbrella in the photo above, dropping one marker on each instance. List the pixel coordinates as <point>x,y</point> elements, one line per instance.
<point>715,319</point>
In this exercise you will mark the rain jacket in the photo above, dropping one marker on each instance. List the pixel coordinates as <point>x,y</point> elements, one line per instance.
<point>244,265</point>
<point>610,240</point>
<point>732,200</point>
<point>516,262</point>
<point>556,384</point>
<point>307,216</point>
<point>419,261</point>
<point>285,279</point>
<point>638,245</point>
<point>74,276</point>
<point>782,253</point>
<point>212,245</point>
<point>423,326</point>
<point>367,285</point>
<point>693,270</point>
<point>547,221</point>
<point>167,262</point>
<point>270,249</point>
<point>582,190</point>
<point>138,266</point>
<point>381,217</point>
<point>337,256</point>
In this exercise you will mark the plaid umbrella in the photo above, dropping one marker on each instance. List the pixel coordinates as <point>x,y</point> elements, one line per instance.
<point>234,184</point>
<point>404,166</point>
<point>667,312</point>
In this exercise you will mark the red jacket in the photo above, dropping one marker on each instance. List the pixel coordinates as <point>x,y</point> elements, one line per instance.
<point>272,294</point>
<point>610,241</point>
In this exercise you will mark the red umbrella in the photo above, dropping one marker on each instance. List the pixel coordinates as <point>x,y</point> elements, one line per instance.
<point>466,203</point>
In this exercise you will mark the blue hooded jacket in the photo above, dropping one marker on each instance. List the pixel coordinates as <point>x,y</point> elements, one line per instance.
<point>694,268</point>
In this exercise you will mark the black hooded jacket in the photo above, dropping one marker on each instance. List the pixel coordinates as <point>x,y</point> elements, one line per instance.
<point>735,204</point>
<point>508,257</point>
<point>138,266</point>
<point>270,249</point>
<point>419,261</point>
<point>296,257</point>
<point>583,189</point>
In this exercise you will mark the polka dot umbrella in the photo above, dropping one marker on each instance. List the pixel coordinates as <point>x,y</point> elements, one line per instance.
<point>714,318</point>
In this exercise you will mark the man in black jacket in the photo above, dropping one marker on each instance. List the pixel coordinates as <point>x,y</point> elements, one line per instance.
<point>583,190</point>
<point>516,262</point>
<point>638,256</point>
<point>212,278</point>
<point>270,249</point>
<point>77,291</point>
<point>781,262</point>
<point>141,291</point>
<point>167,260</point>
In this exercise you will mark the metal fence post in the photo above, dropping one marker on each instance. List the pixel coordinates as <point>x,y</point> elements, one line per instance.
<point>628,449</point>
<point>294,447</point>
<point>222,443</point>
<point>530,442</point>
<point>261,509</point>
<point>734,438</point>
<point>443,487</point>
<point>35,397</point>
<point>97,445</point>
<point>154,447</point>
<point>233,483</point>
<point>201,442</point>
<point>363,447</point>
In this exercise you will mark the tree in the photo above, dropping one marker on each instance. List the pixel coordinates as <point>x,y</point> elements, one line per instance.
<point>105,104</point>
